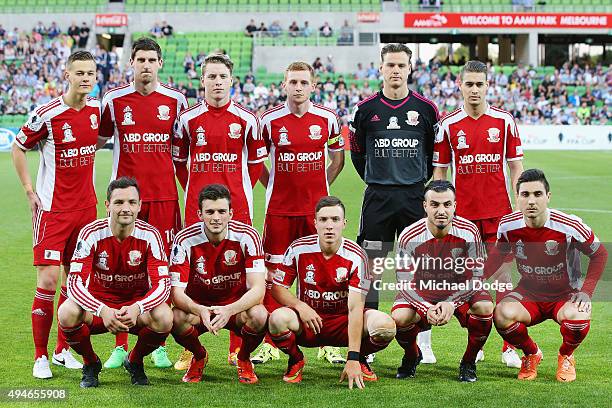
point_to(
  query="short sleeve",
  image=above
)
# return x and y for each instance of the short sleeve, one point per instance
(514, 148)
(356, 134)
(253, 253)
(179, 266)
(256, 146)
(442, 148)
(286, 272)
(34, 131)
(360, 277)
(107, 123)
(335, 141)
(180, 140)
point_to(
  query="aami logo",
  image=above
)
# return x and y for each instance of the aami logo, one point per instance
(7, 137)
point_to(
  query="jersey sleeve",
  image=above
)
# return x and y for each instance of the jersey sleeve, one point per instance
(442, 148)
(360, 277)
(180, 140)
(286, 271)
(264, 129)
(256, 146)
(430, 137)
(356, 133)
(179, 265)
(253, 253)
(80, 269)
(157, 268)
(34, 131)
(335, 141)
(107, 123)
(514, 148)
(477, 253)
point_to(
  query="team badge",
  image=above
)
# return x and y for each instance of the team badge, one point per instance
(519, 250)
(412, 118)
(163, 112)
(94, 121)
(135, 258)
(68, 136)
(235, 130)
(310, 275)
(315, 132)
(230, 257)
(102, 261)
(127, 117)
(283, 137)
(341, 274)
(393, 123)
(200, 137)
(551, 247)
(493, 135)
(200, 266)
(462, 143)
(456, 253)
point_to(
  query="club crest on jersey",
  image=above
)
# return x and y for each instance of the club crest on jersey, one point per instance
(230, 258)
(200, 266)
(493, 135)
(315, 132)
(94, 121)
(283, 137)
(102, 261)
(127, 117)
(341, 274)
(456, 253)
(200, 137)
(310, 275)
(235, 130)
(135, 258)
(520, 250)
(413, 118)
(393, 123)
(462, 142)
(163, 112)
(551, 247)
(68, 136)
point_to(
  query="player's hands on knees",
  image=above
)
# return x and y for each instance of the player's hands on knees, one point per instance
(582, 302)
(205, 317)
(111, 322)
(34, 202)
(222, 316)
(128, 315)
(446, 312)
(352, 371)
(310, 318)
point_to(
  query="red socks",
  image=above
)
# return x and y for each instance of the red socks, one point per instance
(573, 332)
(406, 338)
(517, 336)
(286, 342)
(121, 340)
(369, 346)
(148, 341)
(235, 342)
(250, 340)
(191, 342)
(79, 339)
(42, 319)
(478, 327)
(61, 339)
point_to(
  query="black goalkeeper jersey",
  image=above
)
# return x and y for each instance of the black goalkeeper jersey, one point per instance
(392, 140)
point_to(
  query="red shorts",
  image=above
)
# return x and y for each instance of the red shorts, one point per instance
(488, 228)
(280, 231)
(165, 216)
(232, 325)
(538, 311)
(97, 324)
(461, 311)
(55, 234)
(333, 333)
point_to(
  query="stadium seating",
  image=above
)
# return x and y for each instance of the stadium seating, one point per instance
(252, 5)
(52, 6)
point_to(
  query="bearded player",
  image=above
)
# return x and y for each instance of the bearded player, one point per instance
(546, 245)
(141, 117)
(332, 282)
(300, 135)
(66, 132)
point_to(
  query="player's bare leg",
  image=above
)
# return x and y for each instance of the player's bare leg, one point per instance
(479, 323)
(186, 335)
(511, 319)
(283, 324)
(575, 324)
(252, 323)
(268, 350)
(509, 355)
(62, 355)
(378, 332)
(409, 324)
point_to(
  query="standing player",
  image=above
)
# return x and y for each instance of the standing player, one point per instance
(442, 249)
(299, 135)
(141, 117)
(392, 136)
(218, 281)
(545, 244)
(332, 282)
(118, 282)
(478, 141)
(66, 131)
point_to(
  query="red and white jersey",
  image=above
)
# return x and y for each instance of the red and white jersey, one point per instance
(142, 128)
(324, 284)
(430, 266)
(216, 274)
(218, 145)
(478, 150)
(104, 270)
(547, 258)
(67, 141)
(298, 148)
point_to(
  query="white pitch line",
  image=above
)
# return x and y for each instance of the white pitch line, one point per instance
(593, 210)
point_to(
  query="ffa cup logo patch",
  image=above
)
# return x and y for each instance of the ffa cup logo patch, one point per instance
(393, 123)
(315, 132)
(341, 274)
(127, 117)
(68, 136)
(200, 137)
(279, 275)
(163, 112)
(230, 257)
(178, 256)
(413, 118)
(493, 135)
(551, 247)
(35, 123)
(200, 266)
(235, 130)
(135, 258)
(102, 261)
(94, 121)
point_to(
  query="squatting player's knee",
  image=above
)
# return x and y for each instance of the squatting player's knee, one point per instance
(504, 314)
(179, 319)
(570, 312)
(384, 329)
(404, 317)
(279, 320)
(257, 317)
(69, 314)
(483, 307)
(162, 318)
(48, 276)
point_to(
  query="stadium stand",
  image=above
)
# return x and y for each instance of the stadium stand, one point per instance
(252, 5)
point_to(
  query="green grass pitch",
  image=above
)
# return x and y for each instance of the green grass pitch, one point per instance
(580, 181)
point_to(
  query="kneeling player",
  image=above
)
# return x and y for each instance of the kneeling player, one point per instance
(436, 251)
(118, 282)
(544, 243)
(218, 281)
(333, 280)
